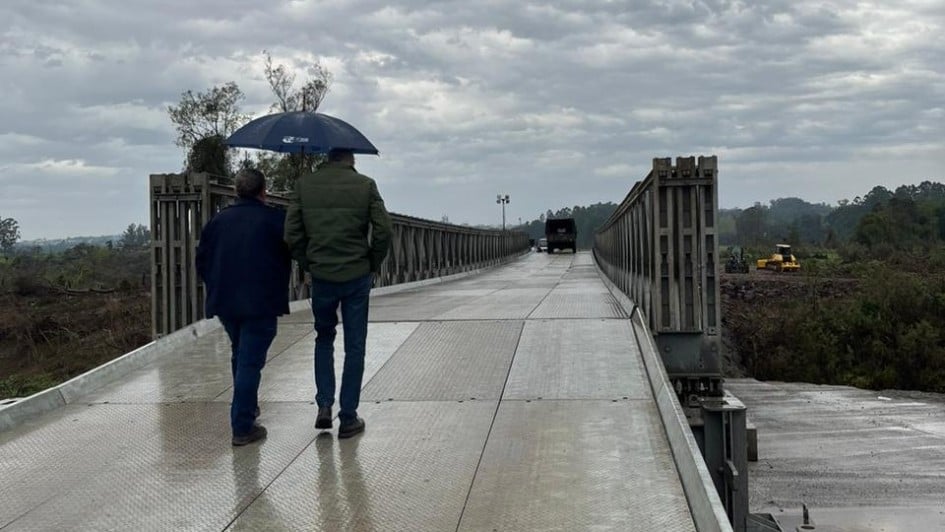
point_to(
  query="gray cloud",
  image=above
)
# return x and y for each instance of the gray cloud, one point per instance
(556, 103)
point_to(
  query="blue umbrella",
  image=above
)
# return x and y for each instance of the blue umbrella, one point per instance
(300, 132)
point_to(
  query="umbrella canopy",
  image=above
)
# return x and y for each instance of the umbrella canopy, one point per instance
(300, 132)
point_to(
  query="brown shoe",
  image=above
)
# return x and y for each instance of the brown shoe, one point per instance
(257, 433)
(350, 428)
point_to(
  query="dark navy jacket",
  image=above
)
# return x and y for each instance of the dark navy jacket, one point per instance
(244, 262)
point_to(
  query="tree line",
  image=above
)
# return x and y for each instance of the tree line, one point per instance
(884, 224)
(89, 263)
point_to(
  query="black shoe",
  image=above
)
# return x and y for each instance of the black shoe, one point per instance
(350, 428)
(323, 421)
(257, 433)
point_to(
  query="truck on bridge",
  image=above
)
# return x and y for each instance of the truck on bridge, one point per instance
(561, 233)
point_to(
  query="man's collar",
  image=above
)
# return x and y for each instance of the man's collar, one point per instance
(335, 164)
(248, 201)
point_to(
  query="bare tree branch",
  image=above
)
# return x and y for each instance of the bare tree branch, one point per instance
(282, 83)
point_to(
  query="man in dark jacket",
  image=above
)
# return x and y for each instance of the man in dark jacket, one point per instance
(337, 227)
(245, 265)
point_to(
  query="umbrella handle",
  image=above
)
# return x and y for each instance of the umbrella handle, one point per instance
(301, 162)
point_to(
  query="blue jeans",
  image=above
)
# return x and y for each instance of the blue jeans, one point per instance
(250, 339)
(353, 296)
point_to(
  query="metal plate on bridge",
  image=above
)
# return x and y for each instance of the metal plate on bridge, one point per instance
(199, 371)
(547, 282)
(576, 465)
(414, 306)
(291, 332)
(508, 304)
(410, 470)
(298, 318)
(577, 359)
(450, 291)
(573, 303)
(583, 259)
(290, 376)
(448, 360)
(172, 468)
(581, 286)
(41, 458)
(196, 371)
(581, 271)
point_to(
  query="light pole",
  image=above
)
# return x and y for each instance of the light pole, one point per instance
(504, 200)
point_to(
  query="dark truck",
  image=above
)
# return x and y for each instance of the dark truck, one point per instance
(561, 234)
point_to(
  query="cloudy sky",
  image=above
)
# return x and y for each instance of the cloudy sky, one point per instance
(557, 103)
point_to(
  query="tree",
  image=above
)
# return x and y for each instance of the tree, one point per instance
(9, 234)
(563, 212)
(898, 226)
(751, 225)
(786, 211)
(284, 169)
(288, 99)
(135, 236)
(810, 229)
(209, 155)
(198, 116)
(205, 114)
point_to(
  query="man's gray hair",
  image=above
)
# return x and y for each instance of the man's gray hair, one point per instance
(250, 183)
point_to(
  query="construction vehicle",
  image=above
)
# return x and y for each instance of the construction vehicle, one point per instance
(780, 261)
(737, 263)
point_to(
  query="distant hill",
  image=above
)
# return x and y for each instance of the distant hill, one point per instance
(921, 208)
(56, 245)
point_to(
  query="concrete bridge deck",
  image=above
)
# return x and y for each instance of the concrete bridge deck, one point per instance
(511, 400)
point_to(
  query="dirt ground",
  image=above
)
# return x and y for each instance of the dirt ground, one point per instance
(749, 297)
(49, 337)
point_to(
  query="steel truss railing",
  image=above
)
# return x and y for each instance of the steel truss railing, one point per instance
(660, 248)
(181, 204)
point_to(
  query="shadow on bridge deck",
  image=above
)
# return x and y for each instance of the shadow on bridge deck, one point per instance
(511, 400)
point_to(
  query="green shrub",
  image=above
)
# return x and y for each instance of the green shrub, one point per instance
(889, 333)
(24, 386)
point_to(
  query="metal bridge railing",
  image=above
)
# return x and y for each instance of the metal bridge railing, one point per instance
(181, 204)
(423, 249)
(660, 249)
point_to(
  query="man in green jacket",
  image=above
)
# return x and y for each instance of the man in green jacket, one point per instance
(338, 229)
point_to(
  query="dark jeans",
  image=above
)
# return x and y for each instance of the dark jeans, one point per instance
(250, 339)
(353, 296)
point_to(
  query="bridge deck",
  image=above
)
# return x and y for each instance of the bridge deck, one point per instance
(511, 400)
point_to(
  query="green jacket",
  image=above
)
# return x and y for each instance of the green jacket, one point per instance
(328, 221)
